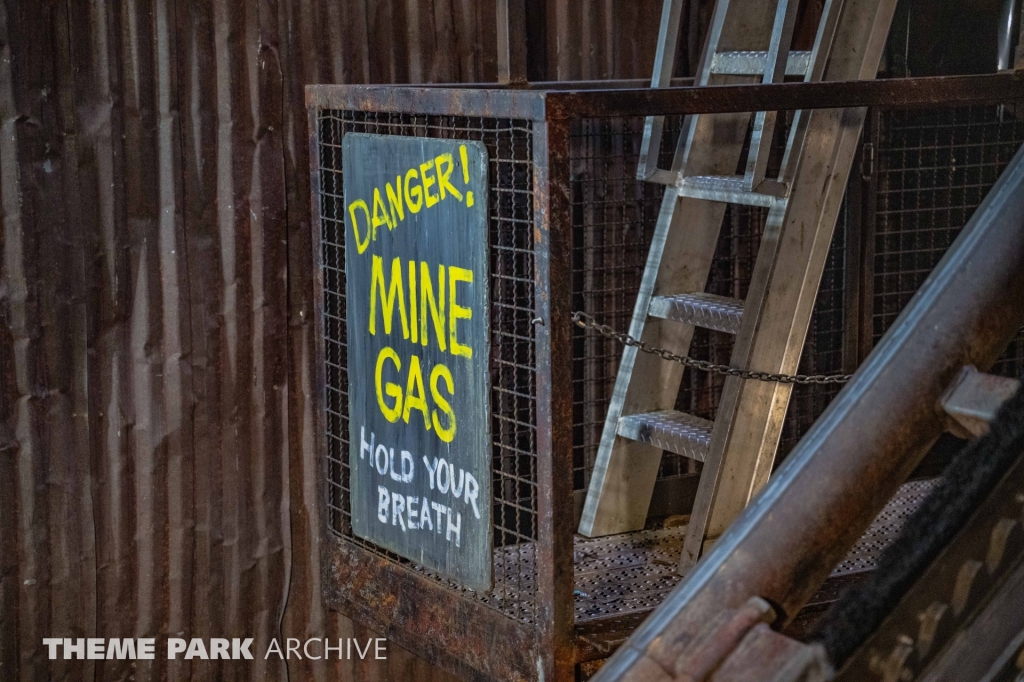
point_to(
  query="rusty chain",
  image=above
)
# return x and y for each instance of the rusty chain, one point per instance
(585, 321)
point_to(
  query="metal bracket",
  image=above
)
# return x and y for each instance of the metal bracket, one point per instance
(867, 161)
(973, 399)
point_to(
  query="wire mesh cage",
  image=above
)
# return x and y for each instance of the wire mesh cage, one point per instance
(513, 371)
(569, 228)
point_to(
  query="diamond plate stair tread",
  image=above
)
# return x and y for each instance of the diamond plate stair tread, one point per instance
(676, 432)
(751, 63)
(724, 189)
(707, 311)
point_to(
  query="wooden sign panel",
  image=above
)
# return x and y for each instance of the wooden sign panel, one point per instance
(416, 267)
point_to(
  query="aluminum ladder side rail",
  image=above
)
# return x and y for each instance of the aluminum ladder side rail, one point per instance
(679, 259)
(868, 441)
(783, 288)
(786, 275)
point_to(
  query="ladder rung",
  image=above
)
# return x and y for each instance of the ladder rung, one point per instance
(751, 63)
(676, 432)
(731, 190)
(707, 311)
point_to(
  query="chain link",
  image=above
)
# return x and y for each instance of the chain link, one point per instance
(585, 321)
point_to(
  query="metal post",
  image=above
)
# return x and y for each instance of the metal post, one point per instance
(511, 42)
(664, 61)
(555, 511)
(1018, 62)
(865, 445)
(1007, 26)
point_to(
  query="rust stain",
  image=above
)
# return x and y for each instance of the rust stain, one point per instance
(156, 474)
(156, 438)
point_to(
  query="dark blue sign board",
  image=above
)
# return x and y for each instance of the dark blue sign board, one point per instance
(417, 315)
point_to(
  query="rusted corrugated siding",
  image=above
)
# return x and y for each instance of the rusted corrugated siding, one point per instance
(601, 39)
(157, 470)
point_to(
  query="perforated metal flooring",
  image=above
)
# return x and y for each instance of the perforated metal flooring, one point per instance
(621, 578)
(884, 529)
(622, 575)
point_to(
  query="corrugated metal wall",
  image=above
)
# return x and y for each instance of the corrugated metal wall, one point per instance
(156, 462)
(600, 39)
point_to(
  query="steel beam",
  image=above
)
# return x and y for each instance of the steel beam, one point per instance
(894, 93)
(583, 99)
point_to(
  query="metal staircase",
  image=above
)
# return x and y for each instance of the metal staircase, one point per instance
(748, 42)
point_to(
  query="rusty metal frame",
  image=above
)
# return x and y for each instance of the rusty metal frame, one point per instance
(585, 99)
(439, 624)
(443, 625)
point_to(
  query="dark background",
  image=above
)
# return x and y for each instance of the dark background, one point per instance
(157, 467)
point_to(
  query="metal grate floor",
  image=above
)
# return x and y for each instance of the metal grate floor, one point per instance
(623, 574)
(628, 574)
(621, 578)
(884, 529)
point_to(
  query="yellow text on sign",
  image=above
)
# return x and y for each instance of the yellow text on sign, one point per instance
(427, 316)
(397, 404)
(418, 188)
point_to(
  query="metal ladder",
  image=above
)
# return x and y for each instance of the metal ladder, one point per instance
(748, 42)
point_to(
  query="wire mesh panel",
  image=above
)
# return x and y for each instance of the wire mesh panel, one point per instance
(931, 170)
(512, 363)
(614, 217)
(934, 168)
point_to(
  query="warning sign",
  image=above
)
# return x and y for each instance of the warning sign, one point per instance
(416, 268)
